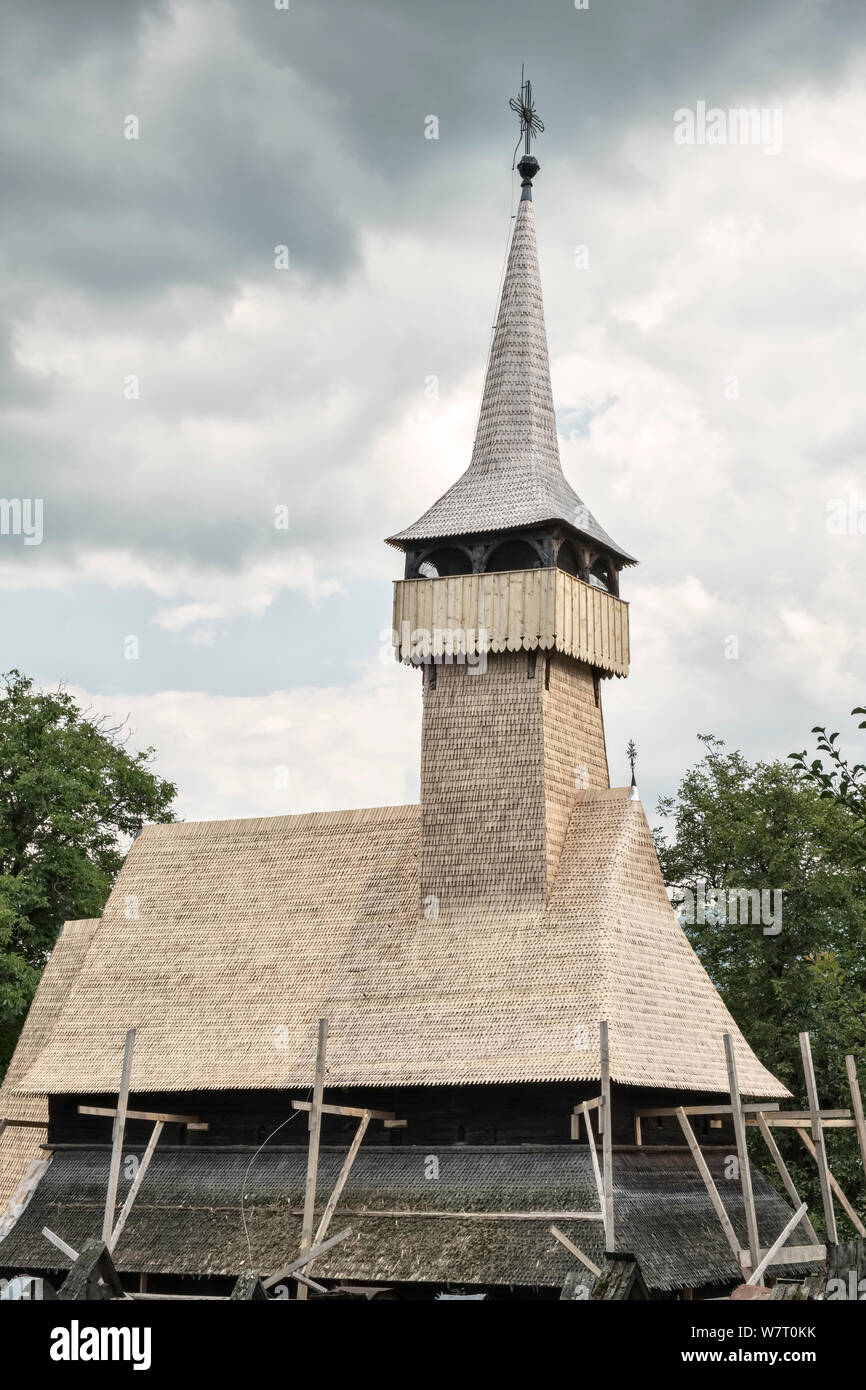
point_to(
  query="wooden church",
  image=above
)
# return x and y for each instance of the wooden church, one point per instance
(464, 953)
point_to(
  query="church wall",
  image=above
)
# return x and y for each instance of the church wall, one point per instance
(504, 749)
(575, 757)
(437, 1116)
(482, 791)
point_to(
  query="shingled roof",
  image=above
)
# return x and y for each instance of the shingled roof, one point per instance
(20, 1145)
(515, 477)
(248, 931)
(187, 1220)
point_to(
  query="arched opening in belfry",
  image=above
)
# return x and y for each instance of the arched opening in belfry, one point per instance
(600, 575)
(567, 560)
(445, 561)
(513, 555)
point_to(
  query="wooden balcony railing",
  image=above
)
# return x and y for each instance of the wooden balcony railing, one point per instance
(544, 609)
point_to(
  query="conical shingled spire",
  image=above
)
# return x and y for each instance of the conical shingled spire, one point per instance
(515, 441)
(515, 478)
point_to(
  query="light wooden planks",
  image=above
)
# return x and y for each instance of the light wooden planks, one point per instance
(136, 1184)
(322, 1228)
(857, 1106)
(705, 1109)
(834, 1186)
(820, 1154)
(574, 1250)
(315, 1126)
(155, 1116)
(800, 1254)
(117, 1137)
(742, 1153)
(799, 1119)
(304, 1259)
(787, 1180)
(767, 1259)
(445, 1215)
(532, 610)
(599, 1185)
(712, 1190)
(354, 1112)
(606, 1115)
(511, 611)
(61, 1244)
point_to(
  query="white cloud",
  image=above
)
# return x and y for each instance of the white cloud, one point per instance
(201, 599)
(306, 749)
(308, 390)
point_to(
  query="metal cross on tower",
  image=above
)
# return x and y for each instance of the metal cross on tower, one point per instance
(531, 125)
(631, 754)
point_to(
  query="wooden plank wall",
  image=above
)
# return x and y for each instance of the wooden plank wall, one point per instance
(518, 609)
(538, 1113)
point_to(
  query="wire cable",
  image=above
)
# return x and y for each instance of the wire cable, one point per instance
(294, 1115)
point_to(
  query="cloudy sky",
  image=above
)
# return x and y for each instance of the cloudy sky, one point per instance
(165, 386)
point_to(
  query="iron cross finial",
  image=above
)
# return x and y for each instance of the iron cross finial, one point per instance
(530, 124)
(631, 754)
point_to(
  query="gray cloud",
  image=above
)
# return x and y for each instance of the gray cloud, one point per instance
(154, 258)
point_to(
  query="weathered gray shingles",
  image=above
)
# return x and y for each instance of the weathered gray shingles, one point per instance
(187, 1217)
(515, 477)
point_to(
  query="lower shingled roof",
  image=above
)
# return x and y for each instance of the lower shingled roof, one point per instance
(20, 1145)
(187, 1217)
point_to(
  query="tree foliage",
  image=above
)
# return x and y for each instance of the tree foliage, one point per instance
(761, 825)
(841, 782)
(71, 797)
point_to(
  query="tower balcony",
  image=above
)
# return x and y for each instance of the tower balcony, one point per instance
(546, 609)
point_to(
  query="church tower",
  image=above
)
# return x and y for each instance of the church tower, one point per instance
(510, 604)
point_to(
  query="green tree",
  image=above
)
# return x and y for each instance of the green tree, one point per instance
(742, 825)
(71, 797)
(836, 779)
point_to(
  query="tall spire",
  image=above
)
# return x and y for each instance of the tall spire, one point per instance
(515, 478)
